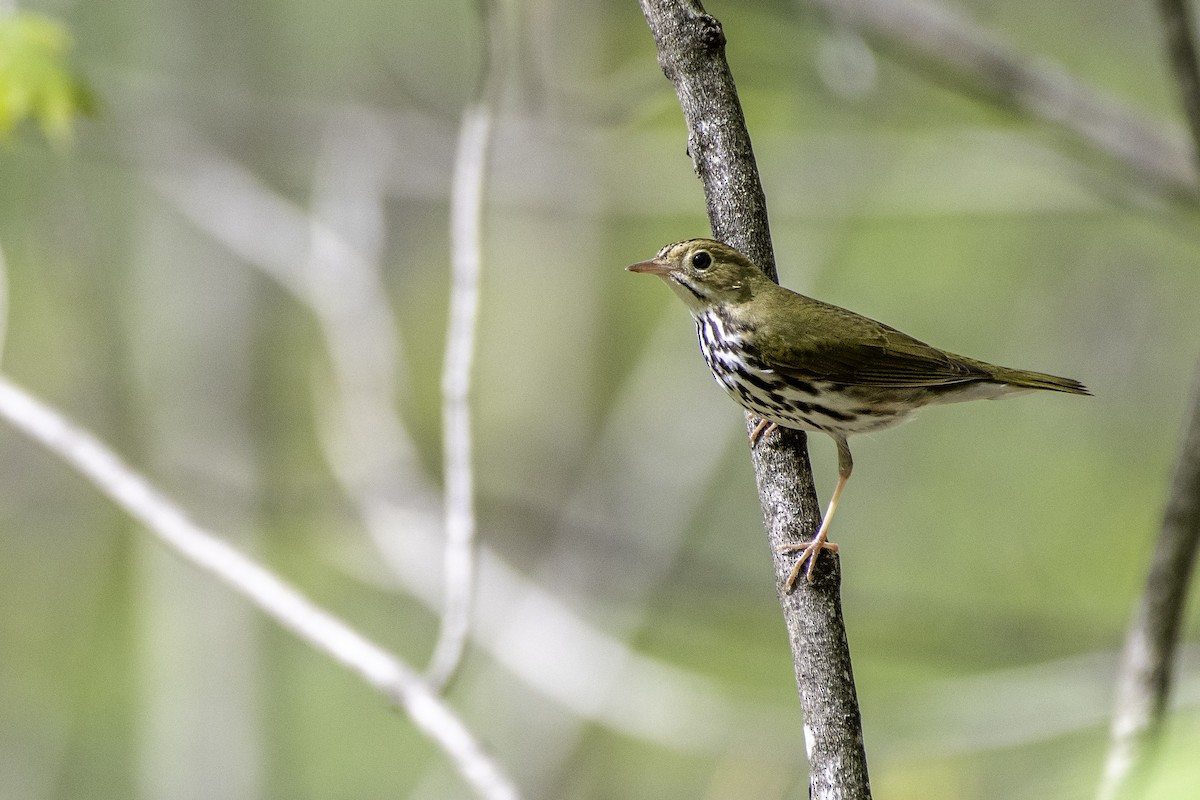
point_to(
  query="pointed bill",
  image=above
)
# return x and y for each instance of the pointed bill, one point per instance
(651, 267)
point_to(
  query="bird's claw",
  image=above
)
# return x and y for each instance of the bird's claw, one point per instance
(763, 427)
(808, 555)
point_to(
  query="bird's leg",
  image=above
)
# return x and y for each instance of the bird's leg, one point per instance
(763, 427)
(809, 550)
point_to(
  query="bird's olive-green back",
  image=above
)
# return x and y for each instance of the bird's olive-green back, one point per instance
(819, 341)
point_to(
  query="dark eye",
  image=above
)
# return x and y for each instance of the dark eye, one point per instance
(702, 260)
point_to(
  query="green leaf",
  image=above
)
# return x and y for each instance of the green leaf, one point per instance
(36, 81)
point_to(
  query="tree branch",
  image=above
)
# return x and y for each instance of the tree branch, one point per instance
(951, 44)
(282, 602)
(1179, 28)
(466, 224)
(1145, 675)
(691, 52)
(1147, 662)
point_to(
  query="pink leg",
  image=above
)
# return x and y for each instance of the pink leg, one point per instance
(763, 427)
(808, 550)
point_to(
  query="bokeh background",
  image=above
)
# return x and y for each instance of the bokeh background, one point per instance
(630, 639)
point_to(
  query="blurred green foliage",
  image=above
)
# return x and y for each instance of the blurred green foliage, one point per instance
(36, 82)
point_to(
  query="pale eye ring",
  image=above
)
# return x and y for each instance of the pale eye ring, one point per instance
(701, 260)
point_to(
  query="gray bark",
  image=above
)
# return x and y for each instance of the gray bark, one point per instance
(691, 52)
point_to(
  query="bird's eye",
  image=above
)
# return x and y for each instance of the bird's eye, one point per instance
(702, 260)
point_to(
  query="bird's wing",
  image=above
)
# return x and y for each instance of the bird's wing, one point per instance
(828, 343)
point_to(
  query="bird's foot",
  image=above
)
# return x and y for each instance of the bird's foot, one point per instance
(808, 555)
(763, 427)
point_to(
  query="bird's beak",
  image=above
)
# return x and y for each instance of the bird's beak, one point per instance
(651, 267)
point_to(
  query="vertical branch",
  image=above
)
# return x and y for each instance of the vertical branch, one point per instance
(1180, 29)
(1144, 679)
(691, 52)
(1145, 674)
(466, 213)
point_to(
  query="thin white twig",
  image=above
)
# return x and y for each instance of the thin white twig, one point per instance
(466, 211)
(312, 624)
(466, 235)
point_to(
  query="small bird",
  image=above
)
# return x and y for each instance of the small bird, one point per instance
(801, 363)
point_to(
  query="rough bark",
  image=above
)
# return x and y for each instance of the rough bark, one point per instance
(691, 52)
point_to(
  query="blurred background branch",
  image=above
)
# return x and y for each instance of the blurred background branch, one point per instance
(318, 628)
(1149, 660)
(466, 244)
(1149, 663)
(1179, 30)
(950, 45)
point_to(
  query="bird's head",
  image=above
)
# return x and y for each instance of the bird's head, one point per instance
(705, 273)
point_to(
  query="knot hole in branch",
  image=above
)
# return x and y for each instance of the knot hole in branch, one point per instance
(710, 34)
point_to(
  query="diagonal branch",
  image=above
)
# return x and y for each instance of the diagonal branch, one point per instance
(691, 52)
(1180, 30)
(950, 44)
(321, 630)
(1145, 675)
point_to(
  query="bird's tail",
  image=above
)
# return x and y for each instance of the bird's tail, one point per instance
(1039, 380)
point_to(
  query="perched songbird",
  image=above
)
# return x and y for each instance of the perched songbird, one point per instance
(800, 363)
